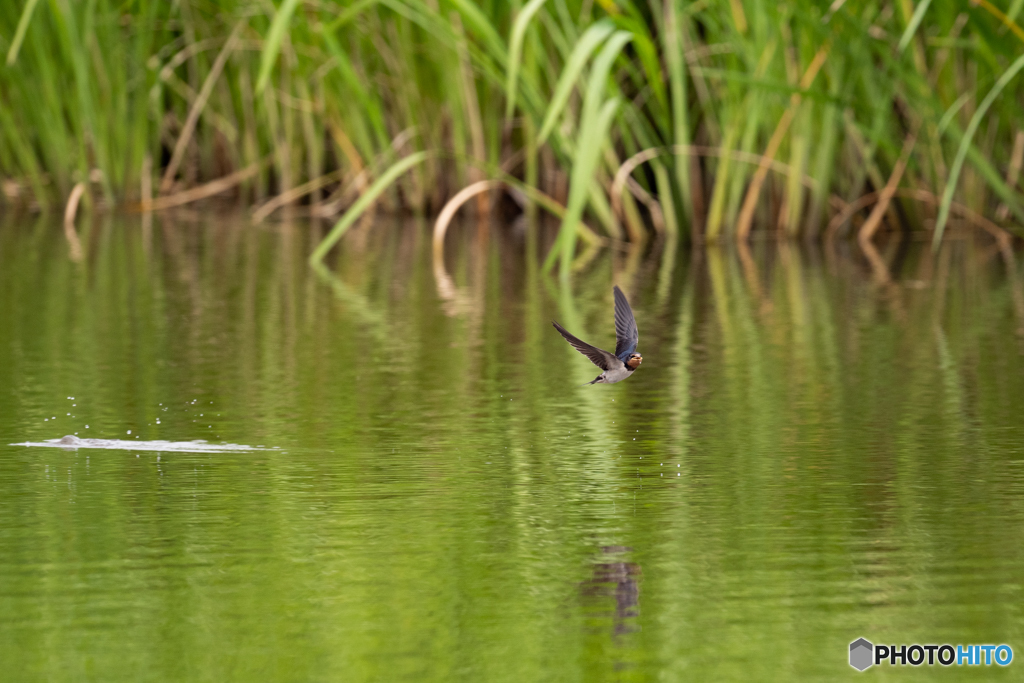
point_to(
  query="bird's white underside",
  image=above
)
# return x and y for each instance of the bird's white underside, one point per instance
(614, 375)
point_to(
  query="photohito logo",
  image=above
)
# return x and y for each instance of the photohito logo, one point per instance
(863, 653)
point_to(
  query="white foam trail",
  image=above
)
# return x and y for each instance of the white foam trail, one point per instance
(198, 446)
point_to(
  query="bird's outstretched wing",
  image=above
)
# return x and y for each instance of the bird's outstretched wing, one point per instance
(598, 357)
(626, 335)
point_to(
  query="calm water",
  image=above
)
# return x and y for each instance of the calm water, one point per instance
(808, 455)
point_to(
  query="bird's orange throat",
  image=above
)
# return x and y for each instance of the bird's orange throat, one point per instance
(633, 363)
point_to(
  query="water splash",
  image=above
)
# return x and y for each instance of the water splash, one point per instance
(197, 446)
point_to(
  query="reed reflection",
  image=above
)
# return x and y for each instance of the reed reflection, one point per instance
(805, 449)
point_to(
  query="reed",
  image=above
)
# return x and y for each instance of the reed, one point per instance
(557, 93)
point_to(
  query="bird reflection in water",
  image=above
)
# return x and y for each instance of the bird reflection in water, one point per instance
(619, 580)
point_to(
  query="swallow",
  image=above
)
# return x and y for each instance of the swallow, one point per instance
(625, 360)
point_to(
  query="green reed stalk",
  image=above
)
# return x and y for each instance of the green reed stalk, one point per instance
(92, 89)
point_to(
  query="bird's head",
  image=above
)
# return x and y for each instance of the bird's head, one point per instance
(635, 359)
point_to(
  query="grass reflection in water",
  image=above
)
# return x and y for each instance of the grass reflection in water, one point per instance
(811, 453)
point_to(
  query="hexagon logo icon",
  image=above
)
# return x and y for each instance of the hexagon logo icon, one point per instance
(861, 652)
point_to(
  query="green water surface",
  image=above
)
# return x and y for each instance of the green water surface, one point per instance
(810, 453)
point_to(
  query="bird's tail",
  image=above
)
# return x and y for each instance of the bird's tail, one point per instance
(594, 381)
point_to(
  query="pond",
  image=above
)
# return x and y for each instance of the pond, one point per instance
(812, 452)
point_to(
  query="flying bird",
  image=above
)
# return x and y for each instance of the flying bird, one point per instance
(625, 360)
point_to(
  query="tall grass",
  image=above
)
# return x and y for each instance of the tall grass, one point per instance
(764, 116)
